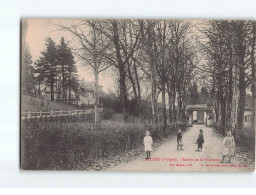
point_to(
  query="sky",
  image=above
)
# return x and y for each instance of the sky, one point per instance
(39, 29)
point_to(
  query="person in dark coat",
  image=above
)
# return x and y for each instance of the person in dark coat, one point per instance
(200, 140)
(179, 140)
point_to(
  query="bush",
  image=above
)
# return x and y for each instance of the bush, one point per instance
(107, 113)
(57, 145)
(247, 138)
(86, 106)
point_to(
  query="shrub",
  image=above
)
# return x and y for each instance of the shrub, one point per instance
(76, 145)
(107, 114)
(247, 138)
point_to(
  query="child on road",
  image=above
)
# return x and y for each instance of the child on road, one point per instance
(148, 141)
(200, 140)
(179, 140)
(229, 147)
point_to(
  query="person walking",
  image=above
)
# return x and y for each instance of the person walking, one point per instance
(179, 140)
(148, 141)
(228, 147)
(200, 141)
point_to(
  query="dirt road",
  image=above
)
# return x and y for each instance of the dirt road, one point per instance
(167, 158)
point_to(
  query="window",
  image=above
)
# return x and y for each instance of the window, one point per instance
(247, 118)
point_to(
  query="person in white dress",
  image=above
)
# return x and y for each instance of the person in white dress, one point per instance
(228, 147)
(148, 141)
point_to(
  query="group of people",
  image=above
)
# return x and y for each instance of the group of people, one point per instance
(199, 141)
(228, 144)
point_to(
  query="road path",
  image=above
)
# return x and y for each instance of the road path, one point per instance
(167, 158)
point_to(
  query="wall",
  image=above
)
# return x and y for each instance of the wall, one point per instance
(247, 123)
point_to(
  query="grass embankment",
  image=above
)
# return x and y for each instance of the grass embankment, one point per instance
(35, 105)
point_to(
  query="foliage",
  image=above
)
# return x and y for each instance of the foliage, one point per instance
(70, 145)
(204, 96)
(56, 62)
(228, 49)
(67, 69)
(46, 65)
(194, 94)
(107, 113)
(247, 138)
(28, 79)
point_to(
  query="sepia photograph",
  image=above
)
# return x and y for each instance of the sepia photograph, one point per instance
(138, 95)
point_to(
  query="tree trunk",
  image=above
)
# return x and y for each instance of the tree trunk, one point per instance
(52, 89)
(153, 100)
(63, 84)
(241, 100)
(96, 88)
(240, 53)
(170, 106)
(217, 112)
(122, 75)
(253, 65)
(138, 87)
(152, 59)
(230, 96)
(153, 91)
(134, 89)
(39, 90)
(223, 116)
(179, 105)
(173, 105)
(164, 106)
(69, 91)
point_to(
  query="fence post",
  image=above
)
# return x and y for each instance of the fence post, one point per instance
(51, 112)
(75, 111)
(29, 114)
(60, 112)
(40, 113)
(69, 112)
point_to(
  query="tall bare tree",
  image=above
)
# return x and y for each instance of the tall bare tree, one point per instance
(92, 49)
(253, 67)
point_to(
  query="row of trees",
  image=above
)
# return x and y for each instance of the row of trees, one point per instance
(56, 63)
(157, 54)
(155, 59)
(229, 52)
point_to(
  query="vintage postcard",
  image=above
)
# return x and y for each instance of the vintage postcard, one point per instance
(138, 95)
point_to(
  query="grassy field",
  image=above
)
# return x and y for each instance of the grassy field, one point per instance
(35, 105)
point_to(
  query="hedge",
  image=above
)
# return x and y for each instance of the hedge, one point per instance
(247, 138)
(74, 145)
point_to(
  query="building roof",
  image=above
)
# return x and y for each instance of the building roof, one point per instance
(197, 107)
(88, 86)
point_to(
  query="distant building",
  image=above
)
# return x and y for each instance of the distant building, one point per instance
(248, 111)
(85, 95)
(200, 114)
(87, 92)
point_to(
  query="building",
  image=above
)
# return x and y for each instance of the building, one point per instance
(84, 95)
(248, 111)
(200, 114)
(87, 92)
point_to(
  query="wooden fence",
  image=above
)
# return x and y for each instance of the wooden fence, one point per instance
(41, 114)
